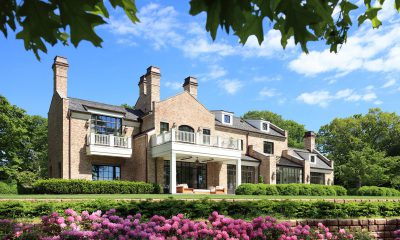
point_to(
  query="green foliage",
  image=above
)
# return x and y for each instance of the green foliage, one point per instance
(55, 21)
(290, 189)
(203, 208)
(377, 191)
(365, 148)
(305, 21)
(8, 188)
(23, 142)
(295, 130)
(79, 186)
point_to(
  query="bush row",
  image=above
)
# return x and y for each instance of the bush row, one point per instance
(64, 186)
(203, 208)
(290, 189)
(377, 191)
(6, 188)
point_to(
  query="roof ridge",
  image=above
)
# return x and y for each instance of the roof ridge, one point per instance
(80, 99)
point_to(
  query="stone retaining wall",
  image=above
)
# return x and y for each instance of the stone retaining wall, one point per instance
(380, 228)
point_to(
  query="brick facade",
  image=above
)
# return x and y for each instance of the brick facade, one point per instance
(69, 130)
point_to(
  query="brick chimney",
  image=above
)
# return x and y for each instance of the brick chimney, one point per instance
(153, 77)
(309, 140)
(60, 71)
(142, 86)
(190, 85)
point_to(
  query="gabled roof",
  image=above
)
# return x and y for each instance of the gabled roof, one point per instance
(241, 124)
(305, 155)
(81, 105)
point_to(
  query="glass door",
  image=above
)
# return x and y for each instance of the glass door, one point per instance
(231, 178)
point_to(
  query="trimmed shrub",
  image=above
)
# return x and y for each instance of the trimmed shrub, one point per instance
(377, 191)
(200, 209)
(290, 190)
(64, 186)
(6, 188)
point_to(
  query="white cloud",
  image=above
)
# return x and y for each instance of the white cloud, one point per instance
(267, 78)
(378, 102)
(231, 86)
(323, 97)
(389, 83)
(162, 28)
(215, 71)
(268, 92)
(374, 50)
(173, 85)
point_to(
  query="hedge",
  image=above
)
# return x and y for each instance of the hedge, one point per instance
(201, 209)
(6, 188)
(290, 189)
(377, 191)
(64, 186)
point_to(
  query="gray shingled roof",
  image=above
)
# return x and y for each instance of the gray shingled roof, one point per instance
(248, 158)
(304, 154)
(239, 123)
(80, 105)
(286, 162)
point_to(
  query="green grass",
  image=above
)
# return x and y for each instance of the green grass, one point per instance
(178, 196)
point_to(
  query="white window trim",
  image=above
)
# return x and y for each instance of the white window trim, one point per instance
(315, 158)
(230, 118)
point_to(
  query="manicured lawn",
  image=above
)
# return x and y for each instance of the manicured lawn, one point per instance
(178, 196)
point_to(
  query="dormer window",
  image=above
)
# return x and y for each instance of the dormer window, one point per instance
(313, 159)
(227, 119)
(265, 126)
(106, 125)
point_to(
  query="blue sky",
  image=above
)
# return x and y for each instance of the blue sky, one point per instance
(310, 89)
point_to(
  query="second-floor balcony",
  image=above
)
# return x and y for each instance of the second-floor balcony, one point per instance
(195, 144)
(109, 145)
(197, 138)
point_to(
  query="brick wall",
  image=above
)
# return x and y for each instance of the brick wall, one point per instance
(380, 228)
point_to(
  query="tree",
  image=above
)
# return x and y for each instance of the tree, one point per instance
(23, 142)
(57, 21)
(295, 130)
(349, 140)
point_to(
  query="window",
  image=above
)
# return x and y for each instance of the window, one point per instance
(312, 159)
(101, 124)
(289, 175)
(106, 172)
(265, 126)
(317, 178)
(190, 173)
(206, 131)
(248, 174)
(227, 118)
(186, 128)
(268, 147)
(164, 127)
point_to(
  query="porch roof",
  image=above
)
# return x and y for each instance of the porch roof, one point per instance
(286, 162)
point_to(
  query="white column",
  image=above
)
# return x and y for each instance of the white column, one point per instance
(172, 173)
(238, 172)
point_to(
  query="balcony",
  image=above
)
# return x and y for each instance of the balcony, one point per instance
(195, 144)
(109, 145)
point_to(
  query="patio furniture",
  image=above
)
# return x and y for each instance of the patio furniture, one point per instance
(201, 191)
(183, 188)
(217, 190)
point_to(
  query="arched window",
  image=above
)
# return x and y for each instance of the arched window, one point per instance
(186, 128)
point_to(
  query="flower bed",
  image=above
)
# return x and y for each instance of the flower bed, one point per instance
(96, 225)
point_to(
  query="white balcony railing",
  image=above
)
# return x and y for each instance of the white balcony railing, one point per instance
(196, 138)
(109, 140)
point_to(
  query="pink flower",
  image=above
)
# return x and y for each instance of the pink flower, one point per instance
(342, 231)
(60, 220)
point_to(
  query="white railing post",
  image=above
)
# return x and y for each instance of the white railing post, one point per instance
(111, 139)
(173, 133)
(129, 142)
(163, 138)
(239, 145)
(198, 138)
(219, 143)
(92, 138)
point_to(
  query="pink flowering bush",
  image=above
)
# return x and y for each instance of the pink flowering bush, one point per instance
(397, 234)
(96, 225)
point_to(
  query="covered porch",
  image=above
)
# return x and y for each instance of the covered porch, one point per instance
(198, 168)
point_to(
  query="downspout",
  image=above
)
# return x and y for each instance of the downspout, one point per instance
(69, 145)
(147, 161)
